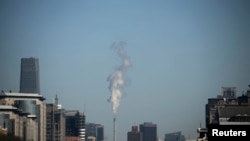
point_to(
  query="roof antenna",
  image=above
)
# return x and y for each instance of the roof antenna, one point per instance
(56, 100)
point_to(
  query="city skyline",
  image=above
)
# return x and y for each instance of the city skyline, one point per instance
(183, 52)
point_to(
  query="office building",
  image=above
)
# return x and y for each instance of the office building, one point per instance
(30, 84)
(29, 78)
(134, 134)
(228, 109)
(18, 124)
(95, 130)
(26, 121)
(149, 131)
(75, 124)
(55, 128)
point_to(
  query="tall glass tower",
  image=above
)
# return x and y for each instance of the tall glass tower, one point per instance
(29, 80)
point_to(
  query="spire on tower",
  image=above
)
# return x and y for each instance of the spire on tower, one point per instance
(56, 100)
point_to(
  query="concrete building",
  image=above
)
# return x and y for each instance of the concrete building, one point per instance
(134, 134)
(55, 128)
(95, 130)
(149, 131)
(175, 136)
(17, 123)
(75, 124)
(228, 108)
(25, 109)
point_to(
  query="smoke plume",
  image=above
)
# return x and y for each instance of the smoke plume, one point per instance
(116, 79)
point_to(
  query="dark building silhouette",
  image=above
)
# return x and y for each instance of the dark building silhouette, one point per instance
(75, 124)
(149, 131)
(134, 134)
(228, 108)
(29, 78)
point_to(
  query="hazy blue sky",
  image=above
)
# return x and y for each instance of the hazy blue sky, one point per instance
(182, 53)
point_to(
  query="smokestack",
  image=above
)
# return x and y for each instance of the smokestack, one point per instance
(117, 78)
(114, 128)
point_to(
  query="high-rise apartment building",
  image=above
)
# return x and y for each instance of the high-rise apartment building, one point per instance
(134, 134)
(149, 131)
(29, 78)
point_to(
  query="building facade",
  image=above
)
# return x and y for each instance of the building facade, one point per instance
(95, 130)
(149, 131)
(29, 77)
(55, 125)
(75, 124)
(228, 108)
(27, 122)
(134, 134)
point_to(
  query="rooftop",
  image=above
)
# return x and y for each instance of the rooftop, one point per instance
(233, 111)
(20, 95)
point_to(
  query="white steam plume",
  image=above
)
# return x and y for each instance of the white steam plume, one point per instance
(116, 79)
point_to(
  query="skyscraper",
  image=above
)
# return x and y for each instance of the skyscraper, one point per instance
(149, 131)
(29, 78)
(30, 84)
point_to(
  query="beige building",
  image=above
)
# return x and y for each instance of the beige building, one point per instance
(91, 138)
(18, 124)
(3, 131)
(55, 128)
(24, 115)
(72, 138)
